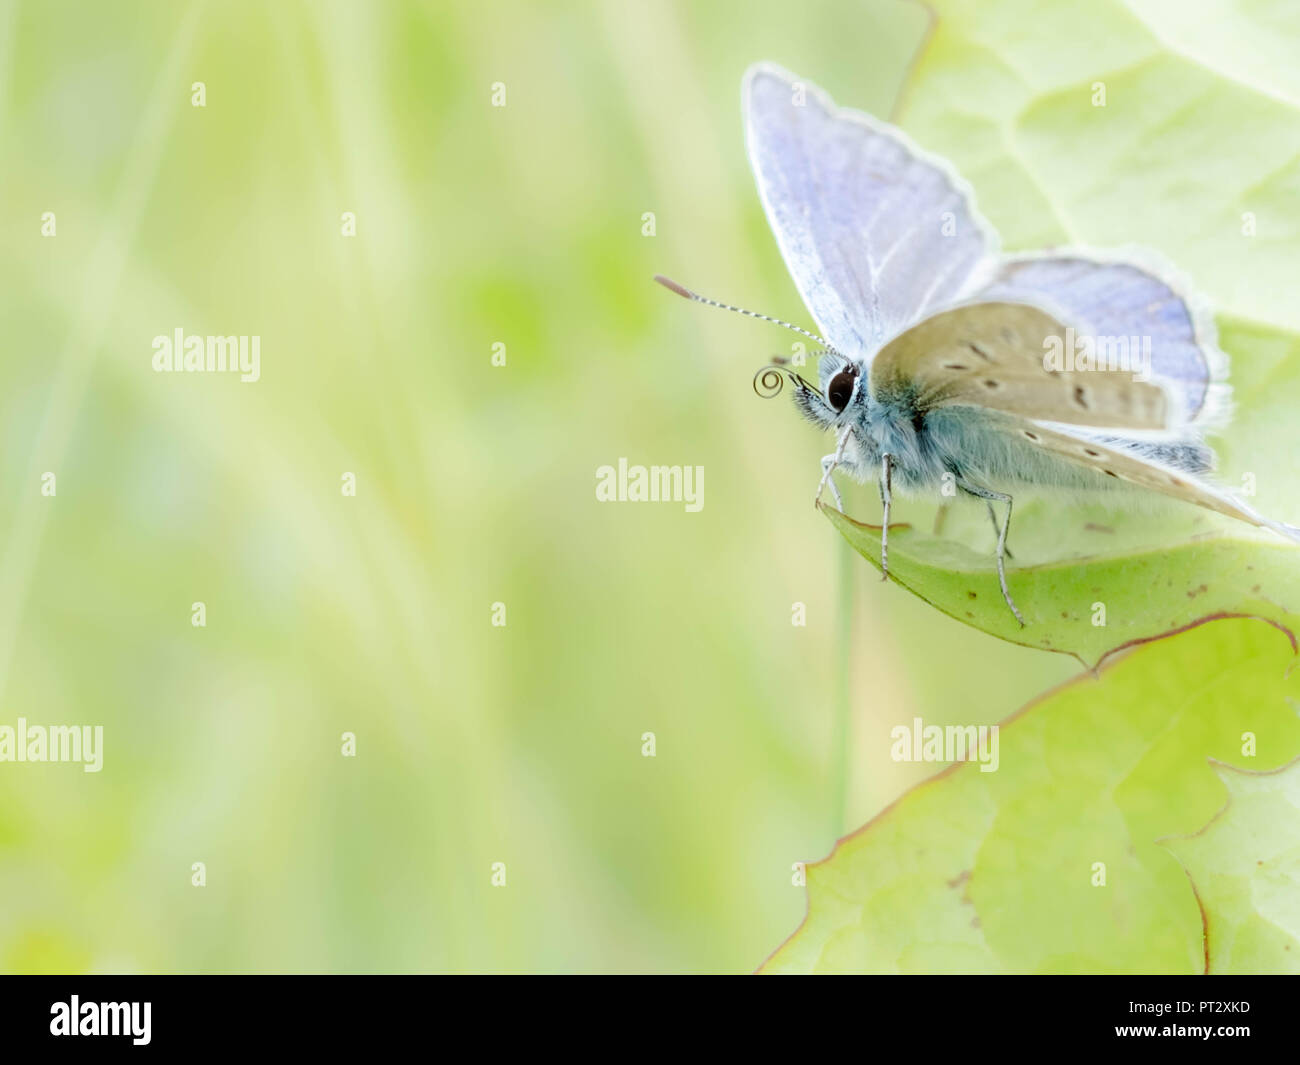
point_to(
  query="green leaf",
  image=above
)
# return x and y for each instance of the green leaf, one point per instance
(1182, 144)
(978, 871)
(1090, 607)
(1245, 868)
(1105, 125)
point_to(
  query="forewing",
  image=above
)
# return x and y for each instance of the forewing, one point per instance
(1130, 299)
(994, 355)
(875, 232)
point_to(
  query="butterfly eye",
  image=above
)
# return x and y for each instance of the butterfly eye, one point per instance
(840, 389)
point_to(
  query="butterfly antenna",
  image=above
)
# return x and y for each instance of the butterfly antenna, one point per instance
(682, 290)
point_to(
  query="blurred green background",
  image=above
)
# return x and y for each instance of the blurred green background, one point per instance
(475, 225)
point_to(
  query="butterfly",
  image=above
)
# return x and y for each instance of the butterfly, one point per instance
(944, 361)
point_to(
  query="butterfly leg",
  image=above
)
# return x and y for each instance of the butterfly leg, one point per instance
(989, 496)
(940, 517)
(828, 467)
(886, 498)
(993, 517)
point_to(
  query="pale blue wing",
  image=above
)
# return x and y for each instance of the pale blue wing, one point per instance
(876, 233)
(1133, 296)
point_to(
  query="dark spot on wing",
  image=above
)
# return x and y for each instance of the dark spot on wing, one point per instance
(1081, 397)
(979, 350)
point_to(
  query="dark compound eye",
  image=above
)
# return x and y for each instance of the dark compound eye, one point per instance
(840, 388)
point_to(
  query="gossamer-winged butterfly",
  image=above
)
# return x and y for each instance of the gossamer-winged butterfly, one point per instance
(944, 358)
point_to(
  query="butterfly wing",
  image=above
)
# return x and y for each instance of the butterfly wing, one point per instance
(1132, 295)
(990, 356)
(875, 232)
(995, 356)
(1123, 464)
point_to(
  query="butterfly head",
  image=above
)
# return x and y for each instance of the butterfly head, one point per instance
(840, 397)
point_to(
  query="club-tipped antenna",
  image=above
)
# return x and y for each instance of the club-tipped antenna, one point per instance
(682, 290)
